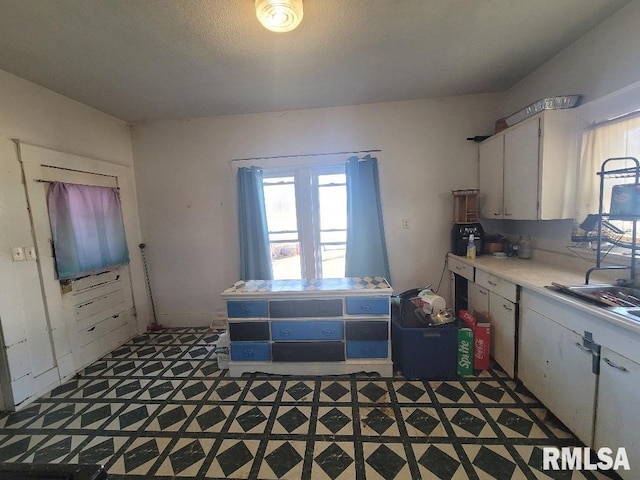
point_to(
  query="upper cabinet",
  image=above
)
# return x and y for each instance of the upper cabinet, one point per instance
(528, 171)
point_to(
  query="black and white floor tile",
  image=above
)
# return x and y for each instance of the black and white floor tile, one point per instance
(159, 407)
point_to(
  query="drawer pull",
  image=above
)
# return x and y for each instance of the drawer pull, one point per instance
(245, 309)
(611, 364)
(91, 329)
(583, 348)
(366, 307)
(327, 332)
(508, 308)
(116, 316)
(248, 354)
(483, 292)
(458, 268)
(285, 331)
(493, 284)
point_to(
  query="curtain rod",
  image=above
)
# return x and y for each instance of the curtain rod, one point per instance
(39, 180)
(305, 155)
(619, 118)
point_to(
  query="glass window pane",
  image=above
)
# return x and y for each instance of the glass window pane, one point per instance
(280, 204)
(290, 237)
(285, 260)
(275, 180)
(333, 207)
(328, 179)
(333, 236)
(333, 261)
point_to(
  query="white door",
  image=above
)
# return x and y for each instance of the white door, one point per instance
(27, 350)
(617, 420)
(553, 364)
(89, 320)
(478, 298)
(490, 179)
(521, 171)
(503, 332)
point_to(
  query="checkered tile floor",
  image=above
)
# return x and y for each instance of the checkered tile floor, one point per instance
(159, 407)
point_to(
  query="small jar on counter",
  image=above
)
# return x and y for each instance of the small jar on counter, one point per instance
(524, 250)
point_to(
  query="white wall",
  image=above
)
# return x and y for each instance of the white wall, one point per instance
(187, 197)
(39, 116)
(603, 61)
(604, 66)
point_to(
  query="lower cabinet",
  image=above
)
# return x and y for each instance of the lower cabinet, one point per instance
(556, 367)
(617, 421)
(503, 316)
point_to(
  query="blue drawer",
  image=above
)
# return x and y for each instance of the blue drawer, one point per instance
(367, 305)
(367, 349)
(247, 309)
(307, 330)
(250, 351)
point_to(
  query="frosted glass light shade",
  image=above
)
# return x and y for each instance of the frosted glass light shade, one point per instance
(279, 15)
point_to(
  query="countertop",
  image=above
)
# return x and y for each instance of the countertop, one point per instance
(535, 276)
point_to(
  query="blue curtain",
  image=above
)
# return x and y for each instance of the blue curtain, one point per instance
(255, 251)
(366, 247)
(87, 229)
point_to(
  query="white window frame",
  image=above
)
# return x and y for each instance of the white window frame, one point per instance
(308, 211)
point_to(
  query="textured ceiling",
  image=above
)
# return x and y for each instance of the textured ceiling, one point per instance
(143, 60)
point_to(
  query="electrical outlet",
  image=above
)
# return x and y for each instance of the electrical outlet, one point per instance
(18, 254)
(30, 253)
(405, 223)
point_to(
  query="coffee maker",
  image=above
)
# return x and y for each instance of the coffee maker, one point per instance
(465, 222)
(460, 237)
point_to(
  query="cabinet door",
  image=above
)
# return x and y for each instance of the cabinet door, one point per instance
(521, 171)
(478, 299)
(490, 179)
(554, 366)
(503, 332)
(617, 420)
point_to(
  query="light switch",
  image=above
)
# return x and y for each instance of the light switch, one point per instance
(30, 253)
(18, 254)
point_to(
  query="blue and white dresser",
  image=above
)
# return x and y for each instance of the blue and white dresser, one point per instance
(328, 326)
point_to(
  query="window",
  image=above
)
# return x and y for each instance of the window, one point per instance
(307, 221)
(87, 229)
(618, 138)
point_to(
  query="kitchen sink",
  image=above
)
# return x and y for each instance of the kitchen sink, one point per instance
(606, 295)
(618, 299)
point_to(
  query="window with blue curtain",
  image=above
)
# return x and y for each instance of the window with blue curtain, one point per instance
(87, 229)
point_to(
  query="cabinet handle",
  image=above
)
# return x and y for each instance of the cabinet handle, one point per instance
(509, 308)
(365, 307)
(458, 268)
(497, 214)
(508, 214)
(483, 292)
(91, 329)
(583, 348)
(285, 331)
(327, 332)
(611, 364)
(493, 284)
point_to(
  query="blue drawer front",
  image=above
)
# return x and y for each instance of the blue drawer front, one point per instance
(367, 305)
(307, 330)
(250, 351)
(246, 309)
(367, 349)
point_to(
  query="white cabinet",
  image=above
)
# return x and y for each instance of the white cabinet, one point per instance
(617, 420)
(527, 172)
(502, 313)
(491, 177)
(557, 368)
(503, 332)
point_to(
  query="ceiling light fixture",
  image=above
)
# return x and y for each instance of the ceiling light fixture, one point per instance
(279, 15)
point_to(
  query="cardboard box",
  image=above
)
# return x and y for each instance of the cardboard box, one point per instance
(481, 337)
(465, 351)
